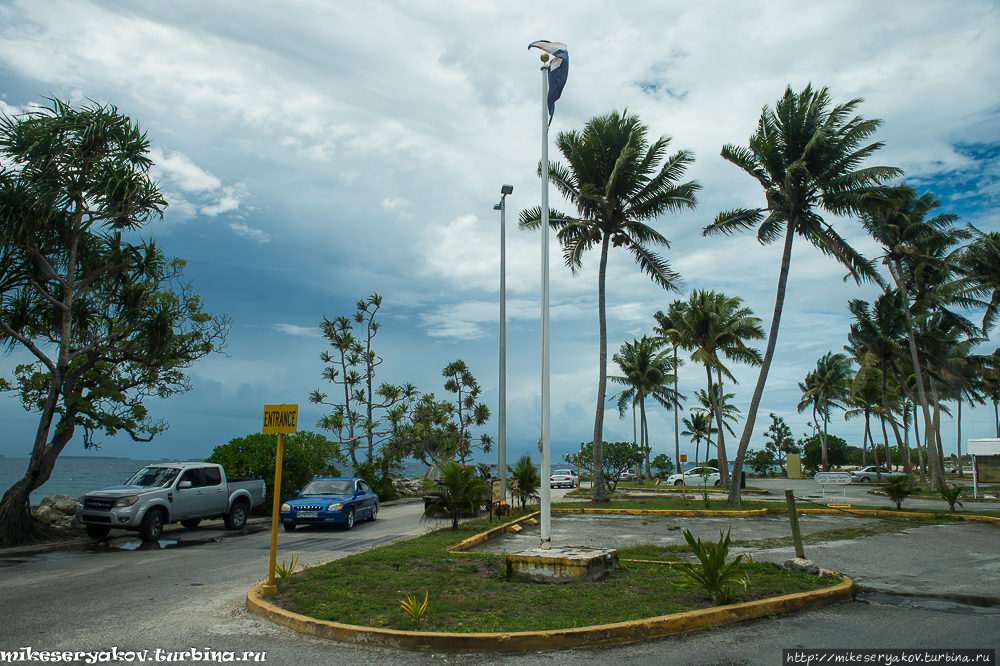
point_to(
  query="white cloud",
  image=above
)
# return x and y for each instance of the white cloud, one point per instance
(300, 331)
(181, 172)
(241, 229)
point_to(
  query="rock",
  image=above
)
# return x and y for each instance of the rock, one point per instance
(46, 514)
(531, 521)
(409, 487)
(514, 529)
(805, 566)
(63, 504)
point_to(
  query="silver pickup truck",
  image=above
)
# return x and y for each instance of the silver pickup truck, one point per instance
(169, 493)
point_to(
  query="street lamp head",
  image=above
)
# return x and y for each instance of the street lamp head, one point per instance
(496, 207)
(507, 189)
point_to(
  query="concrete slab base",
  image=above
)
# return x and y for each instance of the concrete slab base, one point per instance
(563, 564)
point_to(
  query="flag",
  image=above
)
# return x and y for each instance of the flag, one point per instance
(558, 69)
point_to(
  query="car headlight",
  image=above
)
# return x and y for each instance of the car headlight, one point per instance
(335, 507)
(127, 501)
(285, 508)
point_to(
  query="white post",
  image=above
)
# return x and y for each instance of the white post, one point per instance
(545, 472)
(502, 434)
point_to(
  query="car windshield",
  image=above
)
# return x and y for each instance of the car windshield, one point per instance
(328, 487)
(563, 472)
(153, 477)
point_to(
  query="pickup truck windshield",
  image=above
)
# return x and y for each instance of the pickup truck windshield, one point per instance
(328, 487)
(153, 477)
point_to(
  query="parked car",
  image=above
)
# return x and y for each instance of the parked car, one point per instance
(170, 493)
(867, 474)
(696, 477)
(564, 478)
(330, 501)
(627, 475)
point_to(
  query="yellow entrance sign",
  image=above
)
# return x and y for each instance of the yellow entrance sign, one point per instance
(280, 419)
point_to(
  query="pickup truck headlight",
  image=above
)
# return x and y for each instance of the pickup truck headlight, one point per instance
(285, 508)
(335, 507)
(127, 501)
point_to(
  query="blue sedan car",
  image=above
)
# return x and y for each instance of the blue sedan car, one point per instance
(325, 501)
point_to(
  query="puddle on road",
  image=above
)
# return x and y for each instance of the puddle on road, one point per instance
(944, 603)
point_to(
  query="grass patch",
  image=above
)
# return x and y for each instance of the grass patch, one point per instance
(469, 591)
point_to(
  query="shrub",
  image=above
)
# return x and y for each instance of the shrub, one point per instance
(713, 574)
(899, 489)
(951, 495)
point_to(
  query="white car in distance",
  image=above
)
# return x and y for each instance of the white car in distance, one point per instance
(696, 477)
(564, 478)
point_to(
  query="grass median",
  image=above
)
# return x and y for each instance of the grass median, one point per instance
(469, 592)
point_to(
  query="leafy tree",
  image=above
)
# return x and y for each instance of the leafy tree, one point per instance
(525, 476)
(837, 450)
(461, 382)
(646, 373)
(108, 322)
(618, 182)
(663, 464)
(460, 490)
(618, 457)
(899, 489)
(806, 156)
(778, 439)
(760, 461)
(304, 456)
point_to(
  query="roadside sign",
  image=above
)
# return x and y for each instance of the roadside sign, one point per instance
(497, 490)
(684, 458)
(833, 478)
(280, 419)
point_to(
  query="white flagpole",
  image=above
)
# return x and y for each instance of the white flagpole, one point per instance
(546, 498)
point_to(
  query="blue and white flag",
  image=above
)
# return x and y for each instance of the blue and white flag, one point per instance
(558, 69)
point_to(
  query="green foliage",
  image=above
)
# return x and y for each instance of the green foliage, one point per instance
(469, 412)
(760, 461)
(663, 464)
(951, 495)
(838, 452)
(285, 571)
(460, 490)
(778, 439)
(305, 456)
(413, 607)
(899, 489)
(524, 479)
(618, 457)
(712, 573)
(380, 482)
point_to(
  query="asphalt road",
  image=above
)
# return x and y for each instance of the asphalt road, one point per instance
(191, 593)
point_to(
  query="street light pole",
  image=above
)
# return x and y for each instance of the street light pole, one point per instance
(502, 429)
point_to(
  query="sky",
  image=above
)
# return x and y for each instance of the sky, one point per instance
(314, 153)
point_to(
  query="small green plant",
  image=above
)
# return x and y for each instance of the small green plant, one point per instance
(285, 571)
(899, 489)
(712, 572)
(951, 495)
(415, 611)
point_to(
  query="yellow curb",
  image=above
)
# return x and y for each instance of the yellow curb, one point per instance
(482, 537)
(609, 634)
(665, 512)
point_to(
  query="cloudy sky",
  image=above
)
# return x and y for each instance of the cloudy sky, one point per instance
(315, 152)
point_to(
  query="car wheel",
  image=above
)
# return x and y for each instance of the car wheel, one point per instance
(865, 479)
(718, 482)
(374, 512)
(152, 525)
(678, 482)
(98, 531)
(194, 522)
(350, 519)
(237, 518)
(289, 527)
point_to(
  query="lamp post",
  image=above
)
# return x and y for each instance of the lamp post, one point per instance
(502, 429)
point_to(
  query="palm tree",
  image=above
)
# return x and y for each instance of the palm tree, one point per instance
(525, 475)
(805, 155)
(728, 411)
(981, 260)
(646, 373)
(615, 179)
(698, 427)
(714, 324)
(459, 490)
(823, 388)
(667, 334)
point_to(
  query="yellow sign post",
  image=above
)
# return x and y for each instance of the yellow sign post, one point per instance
(278, 419)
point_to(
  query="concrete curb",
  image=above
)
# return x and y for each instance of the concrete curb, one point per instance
(483, 537)
(619, 633)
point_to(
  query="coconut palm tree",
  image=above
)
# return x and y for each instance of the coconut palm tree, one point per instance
(647, 373)
(667, 334)
(619, 182)
(730, 413)
(806, 154)
(715, 325)
(459, 491)
(823, 389)
(698, 427)
(981, 261)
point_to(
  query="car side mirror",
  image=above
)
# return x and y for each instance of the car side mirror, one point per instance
(296, 493)
(184, 484)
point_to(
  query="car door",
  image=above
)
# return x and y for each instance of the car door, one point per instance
(367, 498)
(214, 498)
(187, 501)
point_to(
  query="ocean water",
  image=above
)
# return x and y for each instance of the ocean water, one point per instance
(76, 475)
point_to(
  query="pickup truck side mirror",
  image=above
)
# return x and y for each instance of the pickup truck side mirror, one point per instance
(296, 493)
(183, 484)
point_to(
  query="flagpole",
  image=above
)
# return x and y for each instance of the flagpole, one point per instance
(546, 498)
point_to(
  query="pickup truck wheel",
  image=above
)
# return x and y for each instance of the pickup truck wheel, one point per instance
(289, 527)
(350, 519)
(237, 517)
(152, 525)
(194, 522)
(374, 512)
(98, 531)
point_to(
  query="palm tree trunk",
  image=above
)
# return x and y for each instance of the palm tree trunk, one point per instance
(826, 452)
(958, 436)
(885, 436)
(772, 339)
(936, 396)
(720, 448)
(645, 434)
(677, 427)
(600, 491)
(920, 451)
(864, 442)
